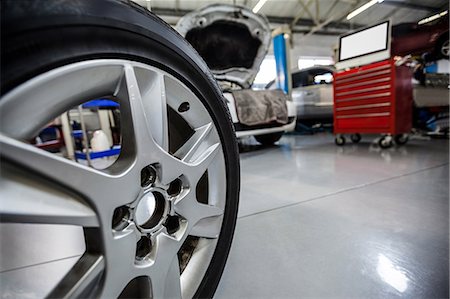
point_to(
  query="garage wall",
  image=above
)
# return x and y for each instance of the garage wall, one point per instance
(312, 46)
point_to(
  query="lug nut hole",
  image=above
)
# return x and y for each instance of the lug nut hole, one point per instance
(120, 218)
(175, 187)
(172, 224)
(143, 247)
(148, 176)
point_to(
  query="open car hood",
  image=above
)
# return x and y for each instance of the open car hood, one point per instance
(232, 40)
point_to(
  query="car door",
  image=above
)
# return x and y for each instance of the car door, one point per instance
(312, 93)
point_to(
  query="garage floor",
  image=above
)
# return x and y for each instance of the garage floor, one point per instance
(315, 220)
(318, 220)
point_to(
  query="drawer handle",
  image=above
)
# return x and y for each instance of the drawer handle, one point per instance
(365, 90)
(371, 96)
(364, 115)
(363, 106)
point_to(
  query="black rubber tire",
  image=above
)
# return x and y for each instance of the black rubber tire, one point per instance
(40, 35)
(401, 139)
(339, 140)
(355, 138)
(269, 139)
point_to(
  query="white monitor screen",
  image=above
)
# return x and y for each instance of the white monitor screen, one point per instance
(363, 42)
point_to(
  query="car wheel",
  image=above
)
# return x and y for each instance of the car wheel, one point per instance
(269, 139)
(445, 49)
(159, 221)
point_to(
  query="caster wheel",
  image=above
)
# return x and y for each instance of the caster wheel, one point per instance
(401, 139)
(355, 138)
(339, 140)
(385, 142)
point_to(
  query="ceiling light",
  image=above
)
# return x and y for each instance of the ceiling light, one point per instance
(363, 8)
(433, 17)
(259, 5)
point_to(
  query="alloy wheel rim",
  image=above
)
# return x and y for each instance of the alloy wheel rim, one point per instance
(145, 94)
(445, 48)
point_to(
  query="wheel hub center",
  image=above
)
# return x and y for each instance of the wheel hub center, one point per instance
(150, 209)
(145, 209)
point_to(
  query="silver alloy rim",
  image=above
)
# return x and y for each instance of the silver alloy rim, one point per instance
(144, 93)
(445, 48)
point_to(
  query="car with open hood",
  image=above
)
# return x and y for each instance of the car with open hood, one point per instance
(233, 41)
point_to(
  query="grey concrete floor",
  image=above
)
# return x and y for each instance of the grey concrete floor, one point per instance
(315, 221)
(322, 221)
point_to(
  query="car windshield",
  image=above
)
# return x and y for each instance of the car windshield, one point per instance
(311, 77)
(326, 78)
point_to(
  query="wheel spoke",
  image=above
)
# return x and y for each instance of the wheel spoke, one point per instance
(172, 282)
(82, 179)
(147, 112)
(169, 285)
(201, 164)
(199, 151)
(120, 255)
(27, 201)
(165, 273)
(177, 94)
(148, 150)
(135, 122)
(187, 151)
(81, 280)
(173, 167)
(120, 252)
(193, 211)
(153, 98)
(207, 228)
(23, 119)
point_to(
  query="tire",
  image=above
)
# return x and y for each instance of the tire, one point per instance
(339, 140)
(269, 139)
(356, 138)
(79, 34)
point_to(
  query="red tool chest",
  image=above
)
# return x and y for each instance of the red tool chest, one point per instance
(375, 98)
